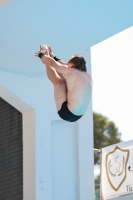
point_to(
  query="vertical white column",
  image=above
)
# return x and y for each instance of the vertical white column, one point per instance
(85, 148)
(72, 156)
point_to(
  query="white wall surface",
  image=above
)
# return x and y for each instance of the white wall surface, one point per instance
(64, 143)
(112, 72)
(64, 151)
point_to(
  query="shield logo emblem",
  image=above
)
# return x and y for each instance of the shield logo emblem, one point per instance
(116, 167)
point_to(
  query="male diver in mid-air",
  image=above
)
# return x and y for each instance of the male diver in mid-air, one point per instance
(72, 84)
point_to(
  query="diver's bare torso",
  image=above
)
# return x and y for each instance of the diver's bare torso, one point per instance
(79, 89)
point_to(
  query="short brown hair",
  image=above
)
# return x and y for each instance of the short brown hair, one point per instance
(79, 63)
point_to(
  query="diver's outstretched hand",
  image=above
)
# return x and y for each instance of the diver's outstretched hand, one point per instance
(45, 49)
(50, 52)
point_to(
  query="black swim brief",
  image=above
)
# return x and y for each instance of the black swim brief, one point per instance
(66, 114)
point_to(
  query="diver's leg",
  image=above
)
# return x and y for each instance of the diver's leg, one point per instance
(59, 86)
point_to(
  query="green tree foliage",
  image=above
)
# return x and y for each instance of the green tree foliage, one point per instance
(97, 180)
(105, 134)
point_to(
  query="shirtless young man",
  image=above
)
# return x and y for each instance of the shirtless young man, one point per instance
(72, 84)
